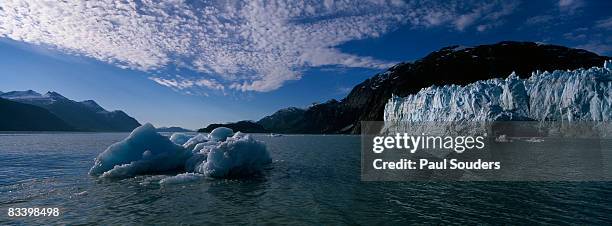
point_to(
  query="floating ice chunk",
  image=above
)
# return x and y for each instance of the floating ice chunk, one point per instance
(150, 179)
(221, 133)
(179, 138)
(200, 155)
(204, 147)
(502, 138)
(534, 140)
(81, 193)
(240, 155)
(143, 151)
(191, 143)
(181, 178)
(195, 161)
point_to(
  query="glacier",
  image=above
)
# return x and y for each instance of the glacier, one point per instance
(573, 95)
(220, 154)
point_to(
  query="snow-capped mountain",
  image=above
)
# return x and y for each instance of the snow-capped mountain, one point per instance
(33, 97)
(28, 95)
(86, 115)
(571, 95)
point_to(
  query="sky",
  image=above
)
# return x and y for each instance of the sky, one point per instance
(191, 63)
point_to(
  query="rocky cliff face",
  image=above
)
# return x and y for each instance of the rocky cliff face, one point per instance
(450, 65)
(573, 95)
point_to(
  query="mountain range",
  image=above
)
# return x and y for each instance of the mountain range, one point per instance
(242, 126)
(15, 116)
(453, 65)
(172, 129)
(32, 111)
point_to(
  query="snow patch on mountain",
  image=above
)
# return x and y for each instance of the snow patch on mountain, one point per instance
(33, 97)
(92, 105)
(576, 95)
(28, 94)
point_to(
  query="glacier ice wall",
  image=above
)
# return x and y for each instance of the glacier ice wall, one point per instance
(577, 95)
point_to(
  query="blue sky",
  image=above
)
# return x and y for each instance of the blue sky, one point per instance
(190, 64)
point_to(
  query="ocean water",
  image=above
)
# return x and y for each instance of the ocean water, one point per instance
(314, 179)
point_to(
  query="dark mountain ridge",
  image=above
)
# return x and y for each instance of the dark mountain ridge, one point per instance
(172, 129)
(15, 116)
(449, 65)
(242, 126)
(82, 116)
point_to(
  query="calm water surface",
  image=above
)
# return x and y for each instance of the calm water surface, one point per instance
(313, 180)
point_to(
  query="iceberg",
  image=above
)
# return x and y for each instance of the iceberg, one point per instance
(179, 138)
(220, 133)
(238, 155)
(575, 95)
(144, 151)
(192, 142)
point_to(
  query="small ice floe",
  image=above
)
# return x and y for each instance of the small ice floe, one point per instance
(83, 193)
(181, 178)
(534, 140)
(502, 139)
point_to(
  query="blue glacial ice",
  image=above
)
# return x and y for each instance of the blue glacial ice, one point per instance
(237, 155)
(145, 151)
(179, 138)
(221, 133)
(576, 95)
(192, 142)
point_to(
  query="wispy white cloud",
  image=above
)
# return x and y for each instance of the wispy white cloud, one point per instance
(605, 23)
(240, 45)
(488, 14)
(597, 47)
(593, 37)
(540, 19)
(560, 12)
(570, 6)
(173, 83)
(210, 84)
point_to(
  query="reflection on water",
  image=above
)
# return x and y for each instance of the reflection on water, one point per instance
(313, 180)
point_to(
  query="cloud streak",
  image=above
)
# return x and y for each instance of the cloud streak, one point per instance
(244, 46)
